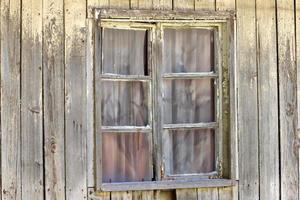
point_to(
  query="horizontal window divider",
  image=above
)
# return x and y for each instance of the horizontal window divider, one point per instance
(118, 77)
(127, 129)
(190, 75)
(209, 125)
(167, 184)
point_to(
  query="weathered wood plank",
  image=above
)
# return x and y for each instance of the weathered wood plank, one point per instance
(267, 100)
(32, 102)
(205, 4)
(184, 4)
(53, 88)
(119, 4)
(141, 4)
(10, 100)
(208, 194)
(247, 101)
(287, 100)
(75, 99)
(225, 4)
(91, 4)
(90, 103)
(100, 196)
(183, 194)
(163, 4)
(121, 195)
(225, 193)
(143, 195)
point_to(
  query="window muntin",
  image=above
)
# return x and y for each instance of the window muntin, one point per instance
(155, 36)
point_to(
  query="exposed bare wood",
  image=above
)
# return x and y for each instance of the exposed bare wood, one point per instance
(53, 88)
(116, 77)
(75, 99)
(141, 4)
(90, 103)
(161, 15)
(225, 4)
(247, 101)
(10, 100)
(289, 169)
(121, 195)
(127, 129)
(161, 185)
(182, 194)
(191, 126)
(143, 195)
(125, 4)
(32, 102)
(189, 75)
(208, 193)
(267, 100)
(184, 4)
(205, 4)
(162, 4)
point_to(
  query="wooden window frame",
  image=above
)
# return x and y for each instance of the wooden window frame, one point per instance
(226, 159)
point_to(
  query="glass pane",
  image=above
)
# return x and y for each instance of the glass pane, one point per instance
(190, 152)
(188, 101)
(126, 157)
(188, 50)
(124, 103)
(125, 51)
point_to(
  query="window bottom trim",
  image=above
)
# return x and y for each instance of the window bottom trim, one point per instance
(166, 184)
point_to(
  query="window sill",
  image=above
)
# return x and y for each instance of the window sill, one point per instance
(164, 185)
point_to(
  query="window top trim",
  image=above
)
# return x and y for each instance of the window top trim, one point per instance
(161, 15)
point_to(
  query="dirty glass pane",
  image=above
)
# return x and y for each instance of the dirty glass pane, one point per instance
(188, 101)
(126, 157)
(124, 51)
(190, 151)
(188, 50)
(124, 103)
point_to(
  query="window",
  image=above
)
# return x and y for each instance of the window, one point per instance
(162, 99)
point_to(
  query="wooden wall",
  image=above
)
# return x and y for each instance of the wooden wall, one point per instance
(44, 117)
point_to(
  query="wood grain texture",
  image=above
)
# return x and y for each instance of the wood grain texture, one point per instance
(141, 4)
(75, 99)
(162, 4)
(205, 4)
(183, 194)
(287, 100)
(225, 5)
(121, 195)
(184, 4)
(32, 102)
(124, 4)
(10, 100)
(53, 90)
(267, 100)
(208, 193)
(143, 195)
(247, 101)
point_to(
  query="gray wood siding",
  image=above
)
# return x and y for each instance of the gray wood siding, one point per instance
(46, 78)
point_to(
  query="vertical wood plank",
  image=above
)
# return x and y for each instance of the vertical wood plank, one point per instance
(247, 101)
(124, 4)
(207, 194)
(267, 100)
(99, 196)
(141, 4)
(183, 194)
(225, 4)
(163, 4)
(96, 4)
(205, 4)
(53, 88)
(75, 99)
(142, 195)
(10, 100)
(184, 4)
(225, 193)
(32, 102)
(90, 102)
(121, 195)
(287, 100)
